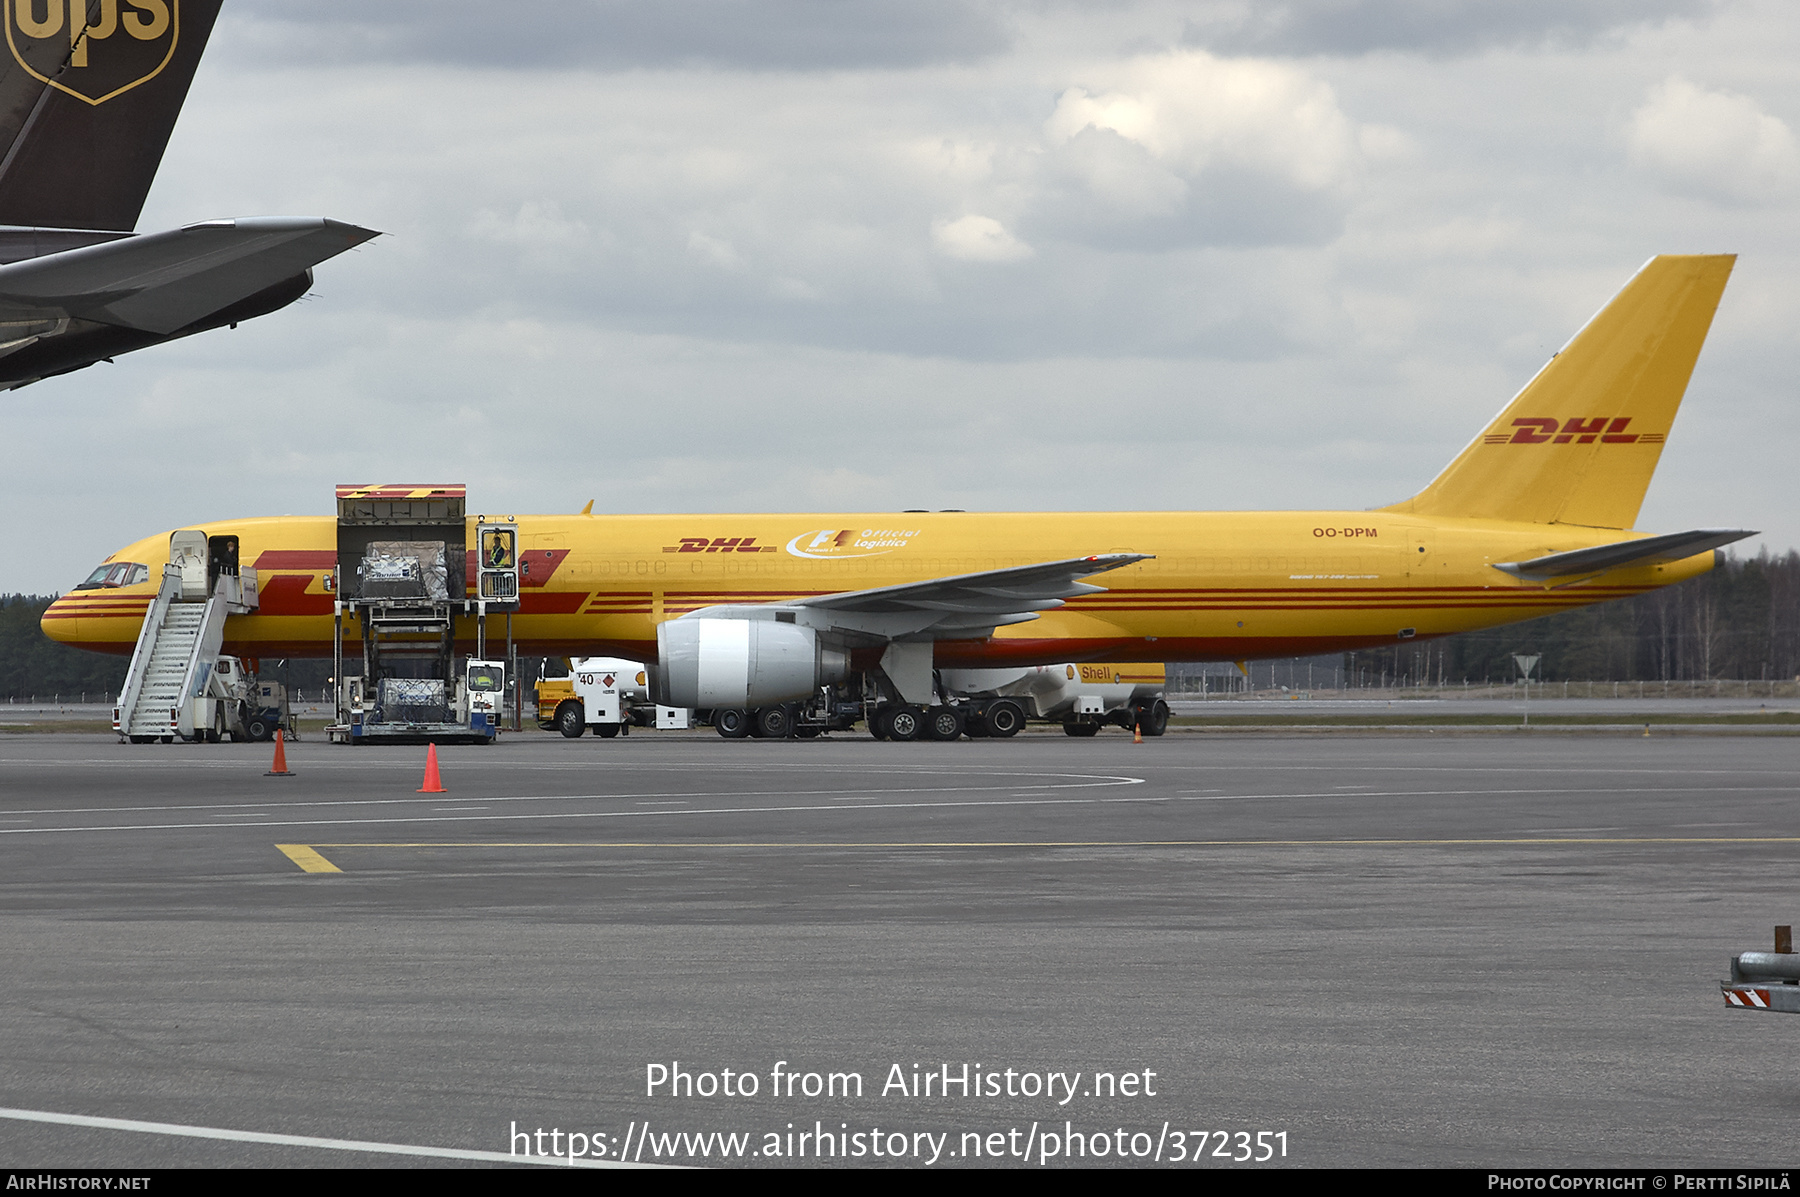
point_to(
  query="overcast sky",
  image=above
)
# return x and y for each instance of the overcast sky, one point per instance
(808, 255)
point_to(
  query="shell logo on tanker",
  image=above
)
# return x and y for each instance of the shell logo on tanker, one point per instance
(834, 543)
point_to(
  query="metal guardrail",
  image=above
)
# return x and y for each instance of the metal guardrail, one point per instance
(1766, 980)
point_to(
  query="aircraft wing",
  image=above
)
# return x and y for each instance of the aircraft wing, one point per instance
(960, 606)
(1672, 547)
(161, 282)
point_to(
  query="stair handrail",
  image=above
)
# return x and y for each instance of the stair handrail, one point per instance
(209, 637)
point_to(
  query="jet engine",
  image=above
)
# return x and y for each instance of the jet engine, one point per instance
(746, 663)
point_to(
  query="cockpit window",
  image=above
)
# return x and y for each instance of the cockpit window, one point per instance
(116, 573)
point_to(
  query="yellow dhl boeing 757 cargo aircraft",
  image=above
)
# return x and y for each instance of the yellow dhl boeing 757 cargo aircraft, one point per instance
(1534, 517)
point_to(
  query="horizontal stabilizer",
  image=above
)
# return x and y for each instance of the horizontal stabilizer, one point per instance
(162, 282)
(1650, 549)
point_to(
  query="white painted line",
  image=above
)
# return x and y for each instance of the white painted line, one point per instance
(863, 804)
(1079, 781)
(1564, 830)
(599, 814)
(237, 1136)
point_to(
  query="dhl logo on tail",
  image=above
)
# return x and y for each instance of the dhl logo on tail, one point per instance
(107, 46)
(1542, 430)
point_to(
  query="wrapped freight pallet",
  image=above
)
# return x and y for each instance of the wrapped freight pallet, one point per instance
(412, 700)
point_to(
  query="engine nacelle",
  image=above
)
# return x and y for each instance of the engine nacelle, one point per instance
(741, 663)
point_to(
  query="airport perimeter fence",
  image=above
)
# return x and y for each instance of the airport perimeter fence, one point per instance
(80, 698)
(106, 698)
(1714, 688)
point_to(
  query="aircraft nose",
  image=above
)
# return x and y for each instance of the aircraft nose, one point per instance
(60, 622)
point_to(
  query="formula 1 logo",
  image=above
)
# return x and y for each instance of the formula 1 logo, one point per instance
(830, 544)
(93, 49)
(1542, 430)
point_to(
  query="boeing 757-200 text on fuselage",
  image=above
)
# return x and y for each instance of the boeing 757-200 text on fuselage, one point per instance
(1534, 516)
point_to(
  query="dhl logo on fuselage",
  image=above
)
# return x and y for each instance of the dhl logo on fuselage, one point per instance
(1542, 430)
(718, 544)
(850, 542)
(108, 47)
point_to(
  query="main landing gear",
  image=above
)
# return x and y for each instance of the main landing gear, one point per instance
(901, 721)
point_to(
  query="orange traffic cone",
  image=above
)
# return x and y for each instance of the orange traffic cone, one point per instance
(1137, 733)
(279, 768)
(432, 783)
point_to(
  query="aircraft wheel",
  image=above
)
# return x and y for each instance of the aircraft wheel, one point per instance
(571, 720)
(1003, 718)
(1082, 730)
(1153, 720)
(905, 723)
(731, 723)
(606, 731)
(943, 723)
(772, 723)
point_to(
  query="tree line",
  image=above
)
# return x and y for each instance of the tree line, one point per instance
(1739, 621)
(33, 664)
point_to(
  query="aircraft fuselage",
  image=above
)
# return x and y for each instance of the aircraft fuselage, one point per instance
(1222, 585)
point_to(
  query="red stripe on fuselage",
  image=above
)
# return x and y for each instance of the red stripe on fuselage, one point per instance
(286, 595)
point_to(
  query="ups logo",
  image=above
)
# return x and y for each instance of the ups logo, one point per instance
(93, 49)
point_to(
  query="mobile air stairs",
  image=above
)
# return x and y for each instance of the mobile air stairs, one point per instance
(182, 635)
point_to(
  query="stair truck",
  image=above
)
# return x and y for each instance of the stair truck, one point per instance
(171, 686)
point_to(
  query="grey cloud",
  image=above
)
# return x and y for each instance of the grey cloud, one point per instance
(1107, 192)
(1070, 298)
(1430, 26)
(626, 34)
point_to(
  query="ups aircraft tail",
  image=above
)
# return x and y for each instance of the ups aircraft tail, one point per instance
(1580, 442)
(89, 93)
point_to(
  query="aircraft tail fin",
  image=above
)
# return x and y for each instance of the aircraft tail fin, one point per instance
(87, 105)
(1578, 445)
